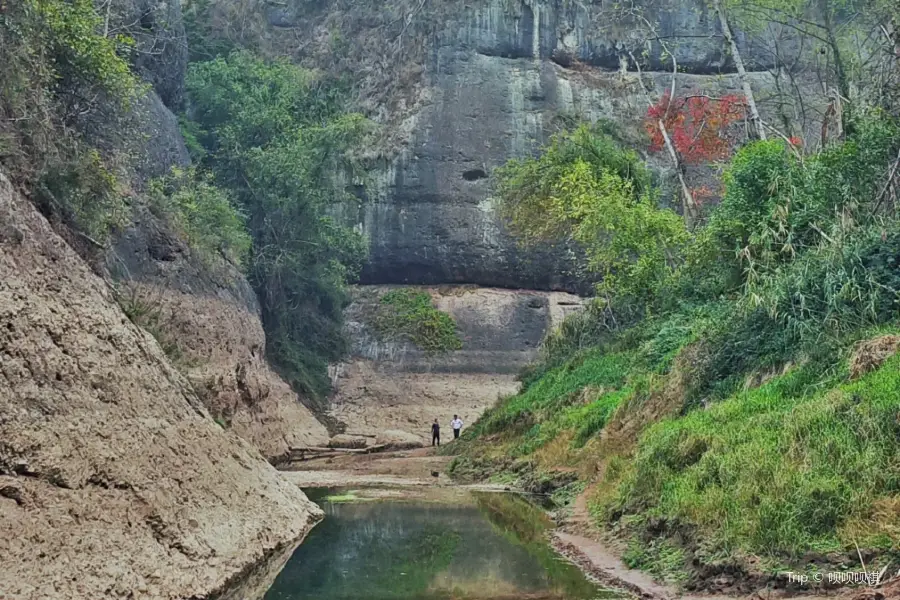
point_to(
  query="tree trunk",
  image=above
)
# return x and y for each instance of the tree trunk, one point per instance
(839, 70)
(742, 72)
(690, 207)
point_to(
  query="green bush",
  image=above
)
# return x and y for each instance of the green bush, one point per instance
(204, 213)
(85, 194)
(59, 70)
(777, 206)
(409, 315)
(585, 190)
(81, 53)
(770, 452)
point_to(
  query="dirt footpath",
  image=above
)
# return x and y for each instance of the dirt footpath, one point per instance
(410, 467)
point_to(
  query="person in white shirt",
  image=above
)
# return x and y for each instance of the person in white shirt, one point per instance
(456, 424)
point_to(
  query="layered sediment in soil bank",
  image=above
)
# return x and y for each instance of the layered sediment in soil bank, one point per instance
(114, 479)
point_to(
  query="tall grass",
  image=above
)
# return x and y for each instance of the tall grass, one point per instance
(556, 391)
(774, 473)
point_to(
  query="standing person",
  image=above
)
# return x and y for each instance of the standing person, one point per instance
(456, 424)
(435, 433)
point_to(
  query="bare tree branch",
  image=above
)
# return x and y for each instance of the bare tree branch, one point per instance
(690, 207)
(742, 72)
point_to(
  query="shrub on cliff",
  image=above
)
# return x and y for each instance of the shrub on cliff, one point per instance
(410, 315)
(204, 213)
(274, 134)
(585, 189)
(59, 68)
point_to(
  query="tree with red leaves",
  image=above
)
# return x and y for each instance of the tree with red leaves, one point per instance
(698, 125)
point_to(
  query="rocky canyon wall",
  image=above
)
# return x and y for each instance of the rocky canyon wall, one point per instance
(202, 309)
(463, 87)
(207, 318)
(460, 88)
(393, 385)
(115, 481)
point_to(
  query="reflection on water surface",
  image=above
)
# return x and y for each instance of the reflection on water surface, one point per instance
(491, 549)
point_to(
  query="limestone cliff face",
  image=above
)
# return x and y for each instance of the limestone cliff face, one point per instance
(161, 49)
(500, 330)
(146, 139)
(464, 86)
(114, 479)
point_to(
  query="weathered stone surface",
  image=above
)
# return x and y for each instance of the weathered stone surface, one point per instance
(370, 398)
(351, 442)
(114, 479)
(395, 439)
(207, 317)
(161, 47)
(500, 330)
(498, 78)
(395, 386)
(145, 137)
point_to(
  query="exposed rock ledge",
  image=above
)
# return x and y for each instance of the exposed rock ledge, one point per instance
(208, 318)
(114, 480)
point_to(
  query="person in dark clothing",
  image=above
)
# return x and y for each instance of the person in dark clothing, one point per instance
(435, 433)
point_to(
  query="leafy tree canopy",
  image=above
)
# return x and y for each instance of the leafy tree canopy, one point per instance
(586, 189)
(275, 135)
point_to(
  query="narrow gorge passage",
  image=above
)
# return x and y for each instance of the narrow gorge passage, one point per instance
(391, 390)
(253, 252)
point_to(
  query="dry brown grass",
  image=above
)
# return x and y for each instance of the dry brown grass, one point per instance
(667, 396)
(883, 519)
(760, 378)
(587, 461)
(589, 394)
(868, 355)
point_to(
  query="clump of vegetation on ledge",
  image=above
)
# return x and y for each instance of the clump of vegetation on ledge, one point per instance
(407, 314)
(203, 213)
(59, 72)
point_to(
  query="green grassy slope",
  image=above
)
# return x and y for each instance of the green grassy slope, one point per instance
(792, 462)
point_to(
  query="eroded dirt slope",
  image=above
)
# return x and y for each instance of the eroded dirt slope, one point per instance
(114, 479)
(220, 346)
(207, 318)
